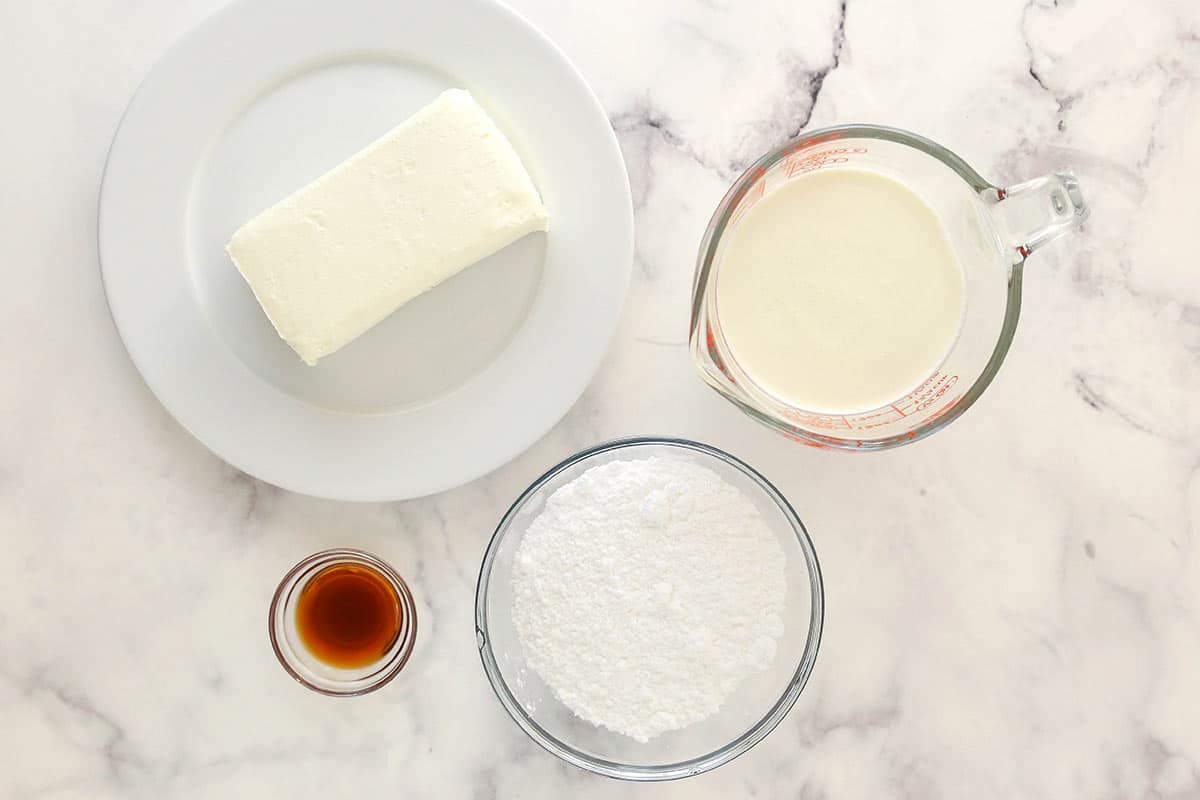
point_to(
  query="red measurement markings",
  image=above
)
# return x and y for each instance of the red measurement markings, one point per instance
(815, 421)
(710, 341)
(804, 440)
(813, 141)
(802, 163)
(879, 418)
(947, 408)
(925, 395)
(748, 200)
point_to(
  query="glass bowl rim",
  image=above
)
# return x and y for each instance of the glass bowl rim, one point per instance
(408, 635)
(693, 766)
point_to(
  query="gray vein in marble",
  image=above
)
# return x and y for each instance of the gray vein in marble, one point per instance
(700, 35)
(1086, 387)
(422, 585)
(56, 788)
(213, 678)
(1064, 101)
(258, 755)
(1137, 601)
(1086, 393)
(115, 750)
(1021, 622)
(646, 117)
(444, 535)
(1158, 758)
(259, 496)
(658, 342)
(643, 265)
(816, 80)
(881, 714)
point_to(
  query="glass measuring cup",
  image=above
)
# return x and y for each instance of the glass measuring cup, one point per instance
(991, 230)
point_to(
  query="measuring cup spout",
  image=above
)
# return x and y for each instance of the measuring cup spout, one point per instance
(1035, 212)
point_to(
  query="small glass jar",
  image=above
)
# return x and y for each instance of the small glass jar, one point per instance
(302, 664)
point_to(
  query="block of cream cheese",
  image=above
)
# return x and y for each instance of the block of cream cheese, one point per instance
(436, 194)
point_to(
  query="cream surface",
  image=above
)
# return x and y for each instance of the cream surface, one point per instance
(839, 291)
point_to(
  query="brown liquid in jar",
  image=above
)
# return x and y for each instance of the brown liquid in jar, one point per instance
(348, 615)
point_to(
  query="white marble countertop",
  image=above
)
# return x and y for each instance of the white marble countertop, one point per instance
(1013, 605)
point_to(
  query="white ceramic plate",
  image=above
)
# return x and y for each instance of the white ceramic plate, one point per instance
(268, 94)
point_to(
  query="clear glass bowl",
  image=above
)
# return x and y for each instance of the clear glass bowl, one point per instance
(306, 668)
(755, 708)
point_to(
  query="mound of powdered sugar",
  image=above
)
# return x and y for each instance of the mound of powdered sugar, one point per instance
(645, 592)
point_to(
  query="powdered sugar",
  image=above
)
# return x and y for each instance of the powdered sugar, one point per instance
(645, 592)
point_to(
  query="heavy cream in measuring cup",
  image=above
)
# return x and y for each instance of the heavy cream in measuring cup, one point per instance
(839, 291)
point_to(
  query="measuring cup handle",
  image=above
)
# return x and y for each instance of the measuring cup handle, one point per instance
(1035, 212)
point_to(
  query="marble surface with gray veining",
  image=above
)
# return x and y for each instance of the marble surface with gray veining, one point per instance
(1013, 605)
